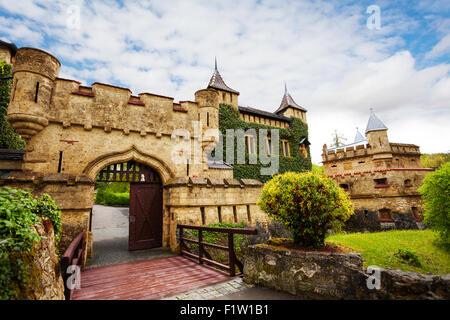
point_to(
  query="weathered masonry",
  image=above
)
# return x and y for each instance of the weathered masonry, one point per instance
(379, 175)
(74, 132)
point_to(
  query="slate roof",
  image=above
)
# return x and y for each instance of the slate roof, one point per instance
(359, 137)
(215, 164)
(287, 102)
(217, 82)
(374, 123)
(263, 114)
(11, 47)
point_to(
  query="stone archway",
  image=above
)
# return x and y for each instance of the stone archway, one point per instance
(133, 153)
(164, 172)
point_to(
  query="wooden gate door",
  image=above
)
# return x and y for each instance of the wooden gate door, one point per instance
(145, 228)
(145, 216)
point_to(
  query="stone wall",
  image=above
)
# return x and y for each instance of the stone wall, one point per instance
(46, 280)
(311, 275)
(201, 201)
(74, 195)
(307, 275)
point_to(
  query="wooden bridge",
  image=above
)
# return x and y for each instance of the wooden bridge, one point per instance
(153, 279)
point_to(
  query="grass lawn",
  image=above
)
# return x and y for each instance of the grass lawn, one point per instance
(378, 249)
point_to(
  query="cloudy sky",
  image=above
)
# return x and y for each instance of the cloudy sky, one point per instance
(337, 61)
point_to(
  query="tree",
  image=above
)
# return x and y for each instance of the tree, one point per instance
(9, 139)
(308, 204)
(436, 195)
(338, 139)
(434, 160)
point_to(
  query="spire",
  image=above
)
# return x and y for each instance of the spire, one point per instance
(288, 101)
(217, 82)
(359, 137)
(374, 123)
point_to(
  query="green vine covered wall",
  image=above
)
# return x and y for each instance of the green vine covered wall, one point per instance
(229, 119)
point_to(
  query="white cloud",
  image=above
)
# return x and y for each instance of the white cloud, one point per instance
(334, 66)
(441, 48)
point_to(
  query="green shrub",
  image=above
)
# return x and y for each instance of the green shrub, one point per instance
(436, 195)
(409, 256)
(308, 204)
(106, 197)
(19, 211)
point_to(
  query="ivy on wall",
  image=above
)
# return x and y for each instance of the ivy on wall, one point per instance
(229, 119)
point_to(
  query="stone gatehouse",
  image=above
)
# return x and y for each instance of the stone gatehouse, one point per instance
(74, 132)
(379, 175)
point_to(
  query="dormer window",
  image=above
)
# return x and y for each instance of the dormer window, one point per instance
(304, 143)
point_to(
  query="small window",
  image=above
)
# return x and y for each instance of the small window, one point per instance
(223, 96)
(385, 214)
(334, 166)
(344, 186)
(36, 93)
(416, 214)
(303, 150)
(250, 144)
(249, 216)
(408, 183)
(381, 183)
(202, 211)
(235, 214)
(219, 214)
(207, 119)
(269, 149)
(361, 162)
(286, 150)
(366, 213)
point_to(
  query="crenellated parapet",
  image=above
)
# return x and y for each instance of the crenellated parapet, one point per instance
(40, 97)
(346, 152)
(115, 108)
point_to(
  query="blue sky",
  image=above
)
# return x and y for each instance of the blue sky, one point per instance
(334, 65)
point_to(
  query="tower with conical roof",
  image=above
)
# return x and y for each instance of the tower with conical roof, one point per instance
(359, 137)
(376, 134)
(289, 108)
(226, 94)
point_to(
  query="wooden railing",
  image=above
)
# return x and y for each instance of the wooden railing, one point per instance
(203, 256)
(72, 256)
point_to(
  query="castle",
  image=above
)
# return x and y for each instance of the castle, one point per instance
(379, 175)
(78, 134)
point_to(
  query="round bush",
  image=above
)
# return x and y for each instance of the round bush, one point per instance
(308, 204)
(436, 195)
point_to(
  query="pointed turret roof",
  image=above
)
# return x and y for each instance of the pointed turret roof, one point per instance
(217, 82)
(287, 102)
(374, 123)
(359, 137)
